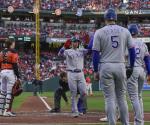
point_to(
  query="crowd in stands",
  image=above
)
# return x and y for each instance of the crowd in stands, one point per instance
(138, 4)
(17, 28)
(145, 31)
(89, 5)
(27, 29)
(48, 67)
(83, 32)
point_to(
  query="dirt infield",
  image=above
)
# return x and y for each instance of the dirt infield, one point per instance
(34, 111)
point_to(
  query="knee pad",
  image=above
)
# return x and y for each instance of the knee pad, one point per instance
(8, 96)
(2, 95)
(8, 100)
(2, 100)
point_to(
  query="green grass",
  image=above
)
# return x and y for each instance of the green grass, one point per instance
(20, 99)
(95, 102)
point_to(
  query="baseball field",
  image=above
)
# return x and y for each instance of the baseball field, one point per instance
(35, 110)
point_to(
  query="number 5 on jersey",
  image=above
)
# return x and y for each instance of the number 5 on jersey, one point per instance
(115, 41)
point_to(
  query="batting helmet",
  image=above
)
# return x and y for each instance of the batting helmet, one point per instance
(74, 39)
(110, 14)
(133, 28)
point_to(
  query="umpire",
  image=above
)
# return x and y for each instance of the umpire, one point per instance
(35, 87)
(60, 91)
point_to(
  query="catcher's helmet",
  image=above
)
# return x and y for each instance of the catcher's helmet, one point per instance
(133, 28)
(110, 14)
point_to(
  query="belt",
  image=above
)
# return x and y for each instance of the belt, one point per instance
(75, 70)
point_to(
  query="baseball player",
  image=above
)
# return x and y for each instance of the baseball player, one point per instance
(9, 72)
(136, 80)
(111, 41)
(75, 60)
(11, 101)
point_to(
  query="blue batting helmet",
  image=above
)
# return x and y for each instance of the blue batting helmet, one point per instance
(110, 14)
(133, 28)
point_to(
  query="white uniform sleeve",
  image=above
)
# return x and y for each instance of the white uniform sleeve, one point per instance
(96, 41)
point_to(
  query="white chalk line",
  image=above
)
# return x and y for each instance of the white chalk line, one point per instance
(45, 103)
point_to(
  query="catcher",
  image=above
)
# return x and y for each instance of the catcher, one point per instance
(9, 73)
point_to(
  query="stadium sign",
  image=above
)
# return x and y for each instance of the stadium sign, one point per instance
(146, 86)
(51, 40)
(133, 12)
(22, 38)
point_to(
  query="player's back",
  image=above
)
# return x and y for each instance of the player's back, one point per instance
(112, 41)
(141, 51)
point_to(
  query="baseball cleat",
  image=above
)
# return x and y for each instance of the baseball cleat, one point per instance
(75, 115)
(9, 114)
(54, 111)
(1, 113)
(104, 119)
(80, 113)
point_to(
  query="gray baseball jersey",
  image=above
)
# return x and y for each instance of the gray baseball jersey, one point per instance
(74, 58)
(141, 51)
(112, 41)
(136, 81)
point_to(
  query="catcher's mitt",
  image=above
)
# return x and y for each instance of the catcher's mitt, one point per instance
(129, 72)
(17, 88)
